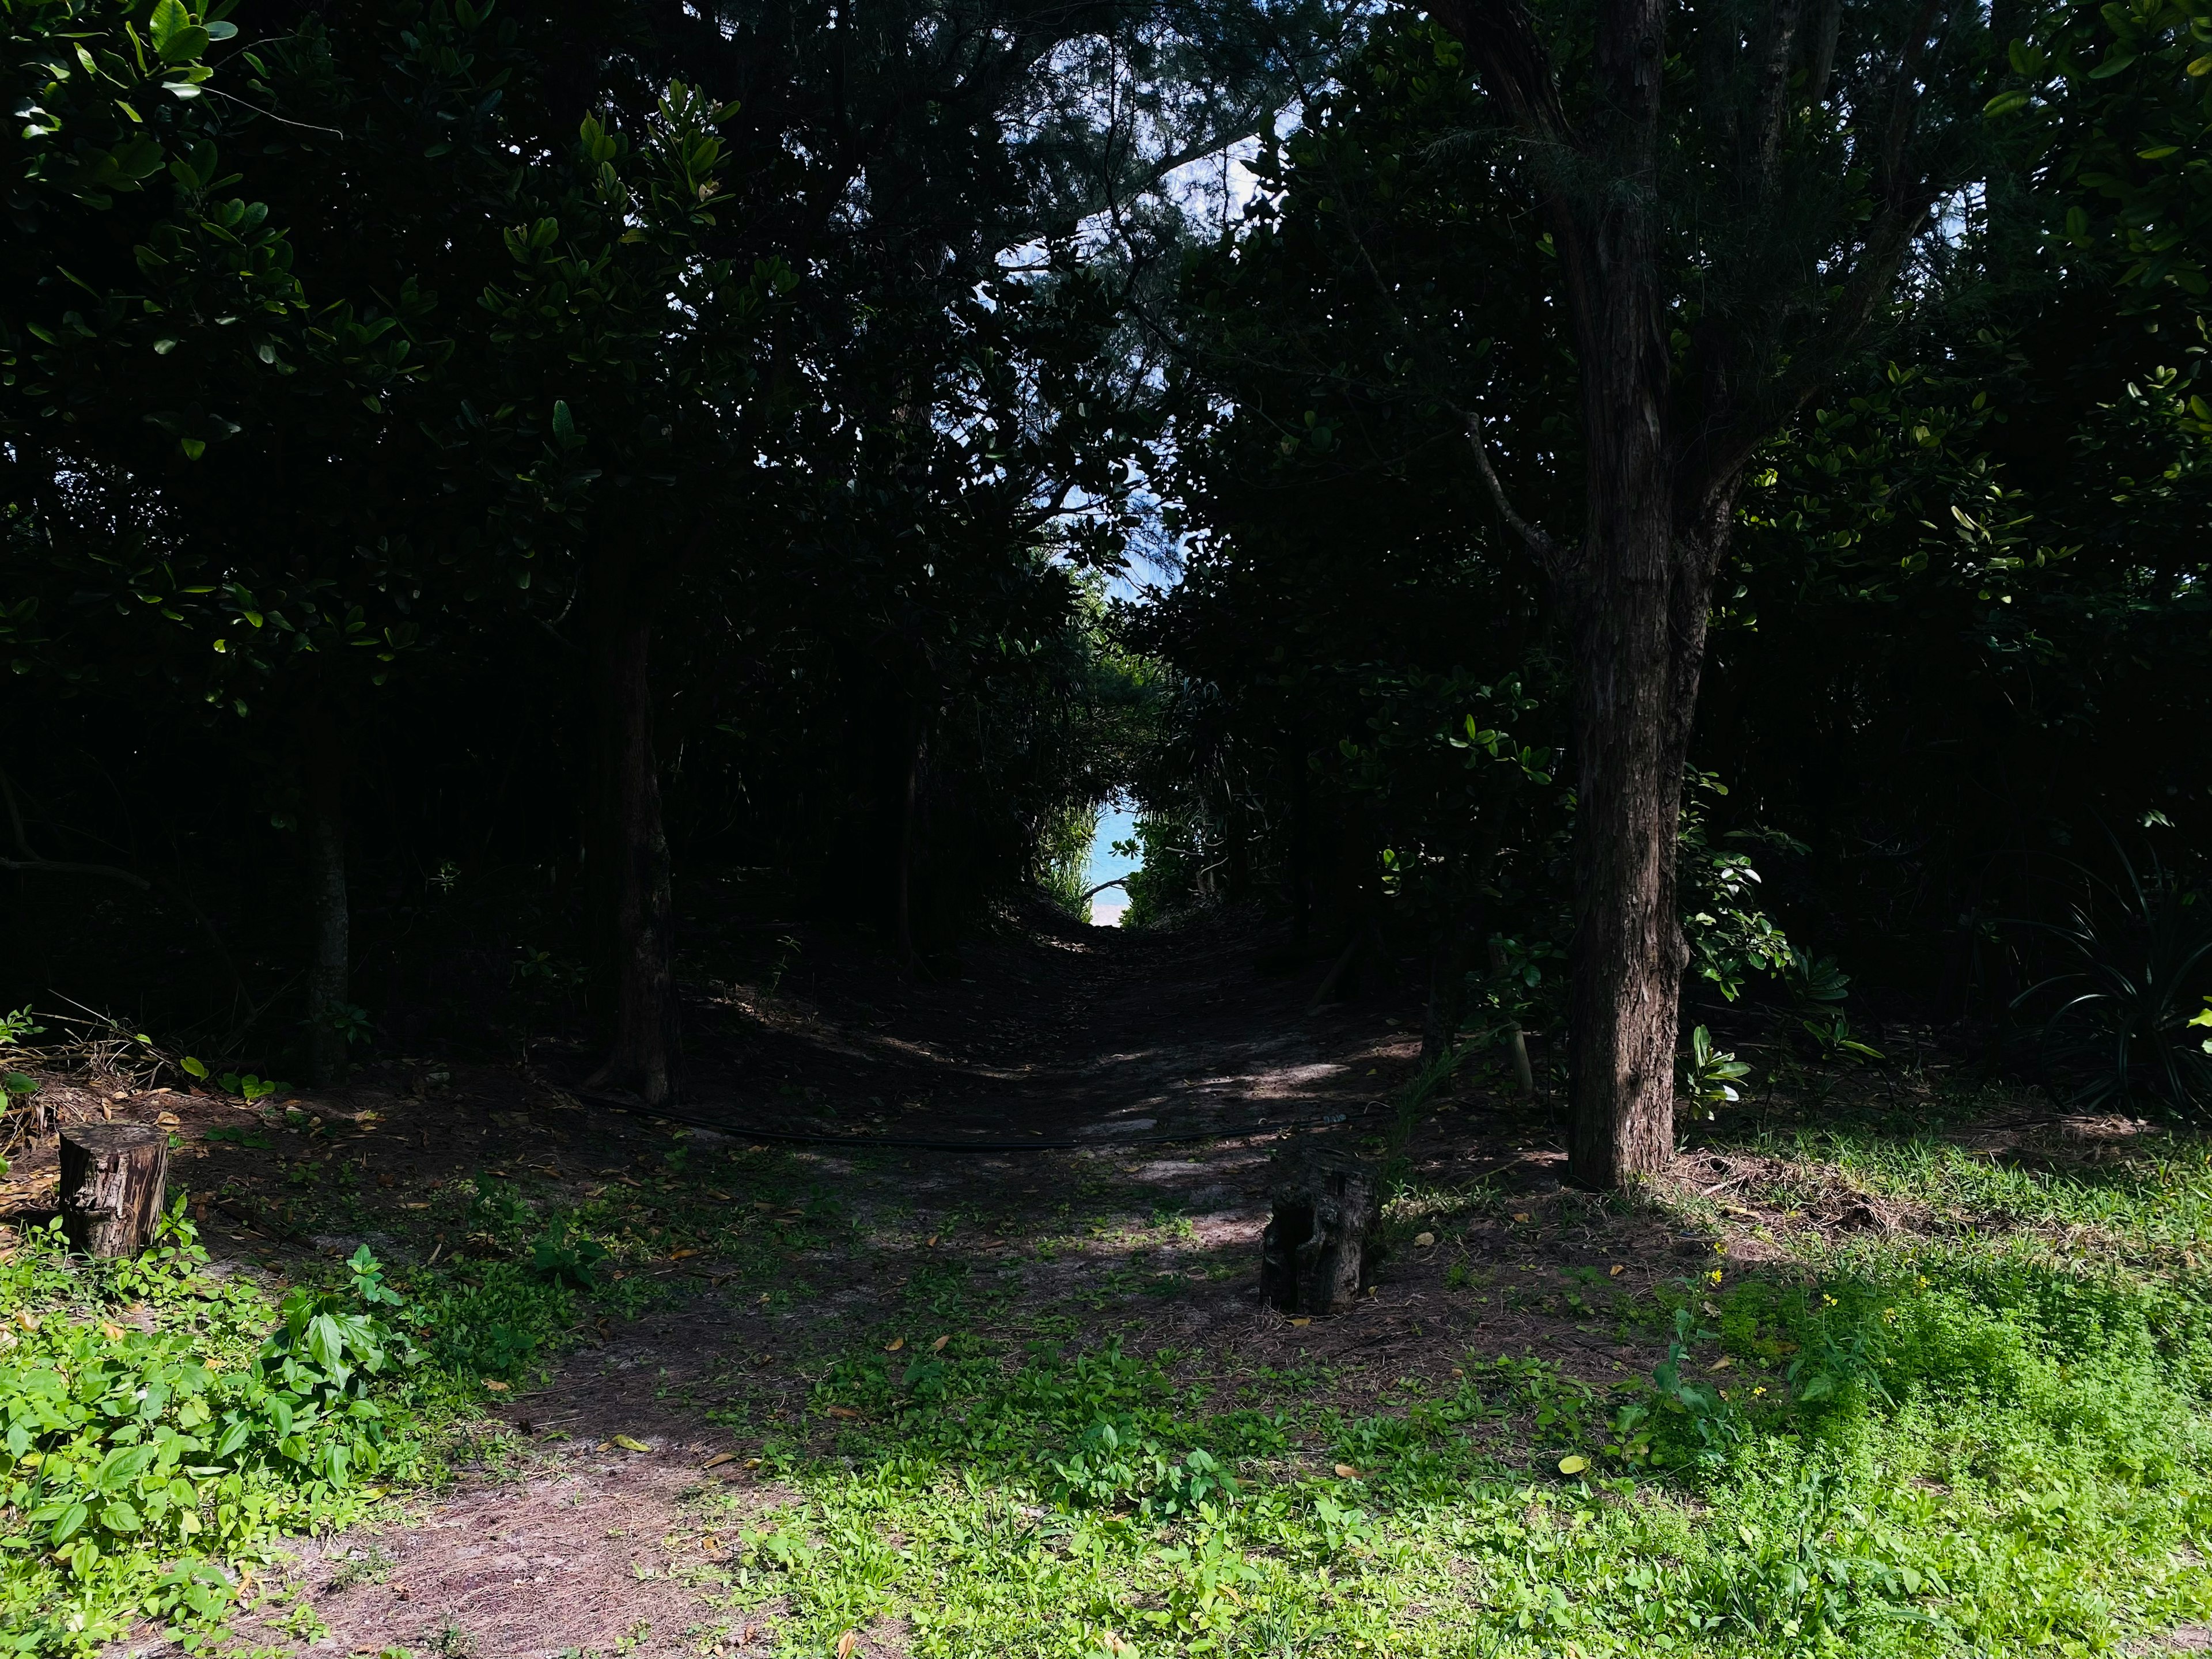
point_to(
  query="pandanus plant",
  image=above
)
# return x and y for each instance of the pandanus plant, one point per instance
(2126, 1015)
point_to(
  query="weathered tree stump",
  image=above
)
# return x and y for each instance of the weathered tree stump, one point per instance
(112, 1175)
(1320, 1251)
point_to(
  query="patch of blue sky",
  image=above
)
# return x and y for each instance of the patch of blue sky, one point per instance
(1117, 823)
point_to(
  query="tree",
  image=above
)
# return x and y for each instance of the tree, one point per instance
(1730, 191)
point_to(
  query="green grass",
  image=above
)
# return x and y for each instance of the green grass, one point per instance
(1995, 1465)
(1989, 1441)
(1987, 1438)
(126, 1494)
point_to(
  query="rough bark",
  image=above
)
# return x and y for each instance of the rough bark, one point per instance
(330, 965)
(1320, 1251)
(113, 1176)
(626, 855)
(1637, 585)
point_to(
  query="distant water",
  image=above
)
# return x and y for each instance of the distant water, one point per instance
(1117, 824)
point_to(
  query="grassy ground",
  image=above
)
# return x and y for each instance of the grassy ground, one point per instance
(1927, 1377)
(1988, 1437)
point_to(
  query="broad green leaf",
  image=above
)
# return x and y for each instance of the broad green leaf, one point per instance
(169, 19)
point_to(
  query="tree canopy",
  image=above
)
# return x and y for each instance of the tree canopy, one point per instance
(1602, 499)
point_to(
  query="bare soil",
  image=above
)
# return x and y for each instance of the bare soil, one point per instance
(1179, 1070)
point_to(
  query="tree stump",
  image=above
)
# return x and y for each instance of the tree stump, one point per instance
(112, 1175)
(1320, 1251)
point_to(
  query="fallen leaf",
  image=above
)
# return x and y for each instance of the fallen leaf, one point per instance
(496, 1385)
(724, 1197)
(895, 1344)
(847, 1643)
(414, 1206)
(629, 1444)
(678, 1256)
(168, 1120)
(112, 1331)
(1422, 1241)
(842, 1411)
(1302, 1321)
(752, 1462)
(1522, 1215)
(718, 1459)
(938, 1347)
(1619, 1268)
(1574, 1465)
(1723, 1363)
(1345, 1472)
(932, 1238)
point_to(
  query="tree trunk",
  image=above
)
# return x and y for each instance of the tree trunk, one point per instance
(1627, 954)
(330, 968)
(909, 835)
(1516, 1040)
(1320, 1251)
(112, 1181)
(1639, 647)
(626, 854)
(1621, 592)
(1661, 481)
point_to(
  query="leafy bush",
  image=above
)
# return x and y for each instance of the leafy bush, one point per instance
(564, 1260)
(1116, 1467)
(491, 1318)
(129, 1456)
(2121, 1026)
(1710, 1075)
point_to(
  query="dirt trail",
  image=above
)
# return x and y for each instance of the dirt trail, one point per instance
(564, 1542)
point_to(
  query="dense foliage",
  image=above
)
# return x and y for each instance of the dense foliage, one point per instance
(477, 483)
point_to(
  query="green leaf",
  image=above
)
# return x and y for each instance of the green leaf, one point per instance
(2005, 102)
(193, 1067)
(169, 20)
(2112, 65)
(176, 37)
